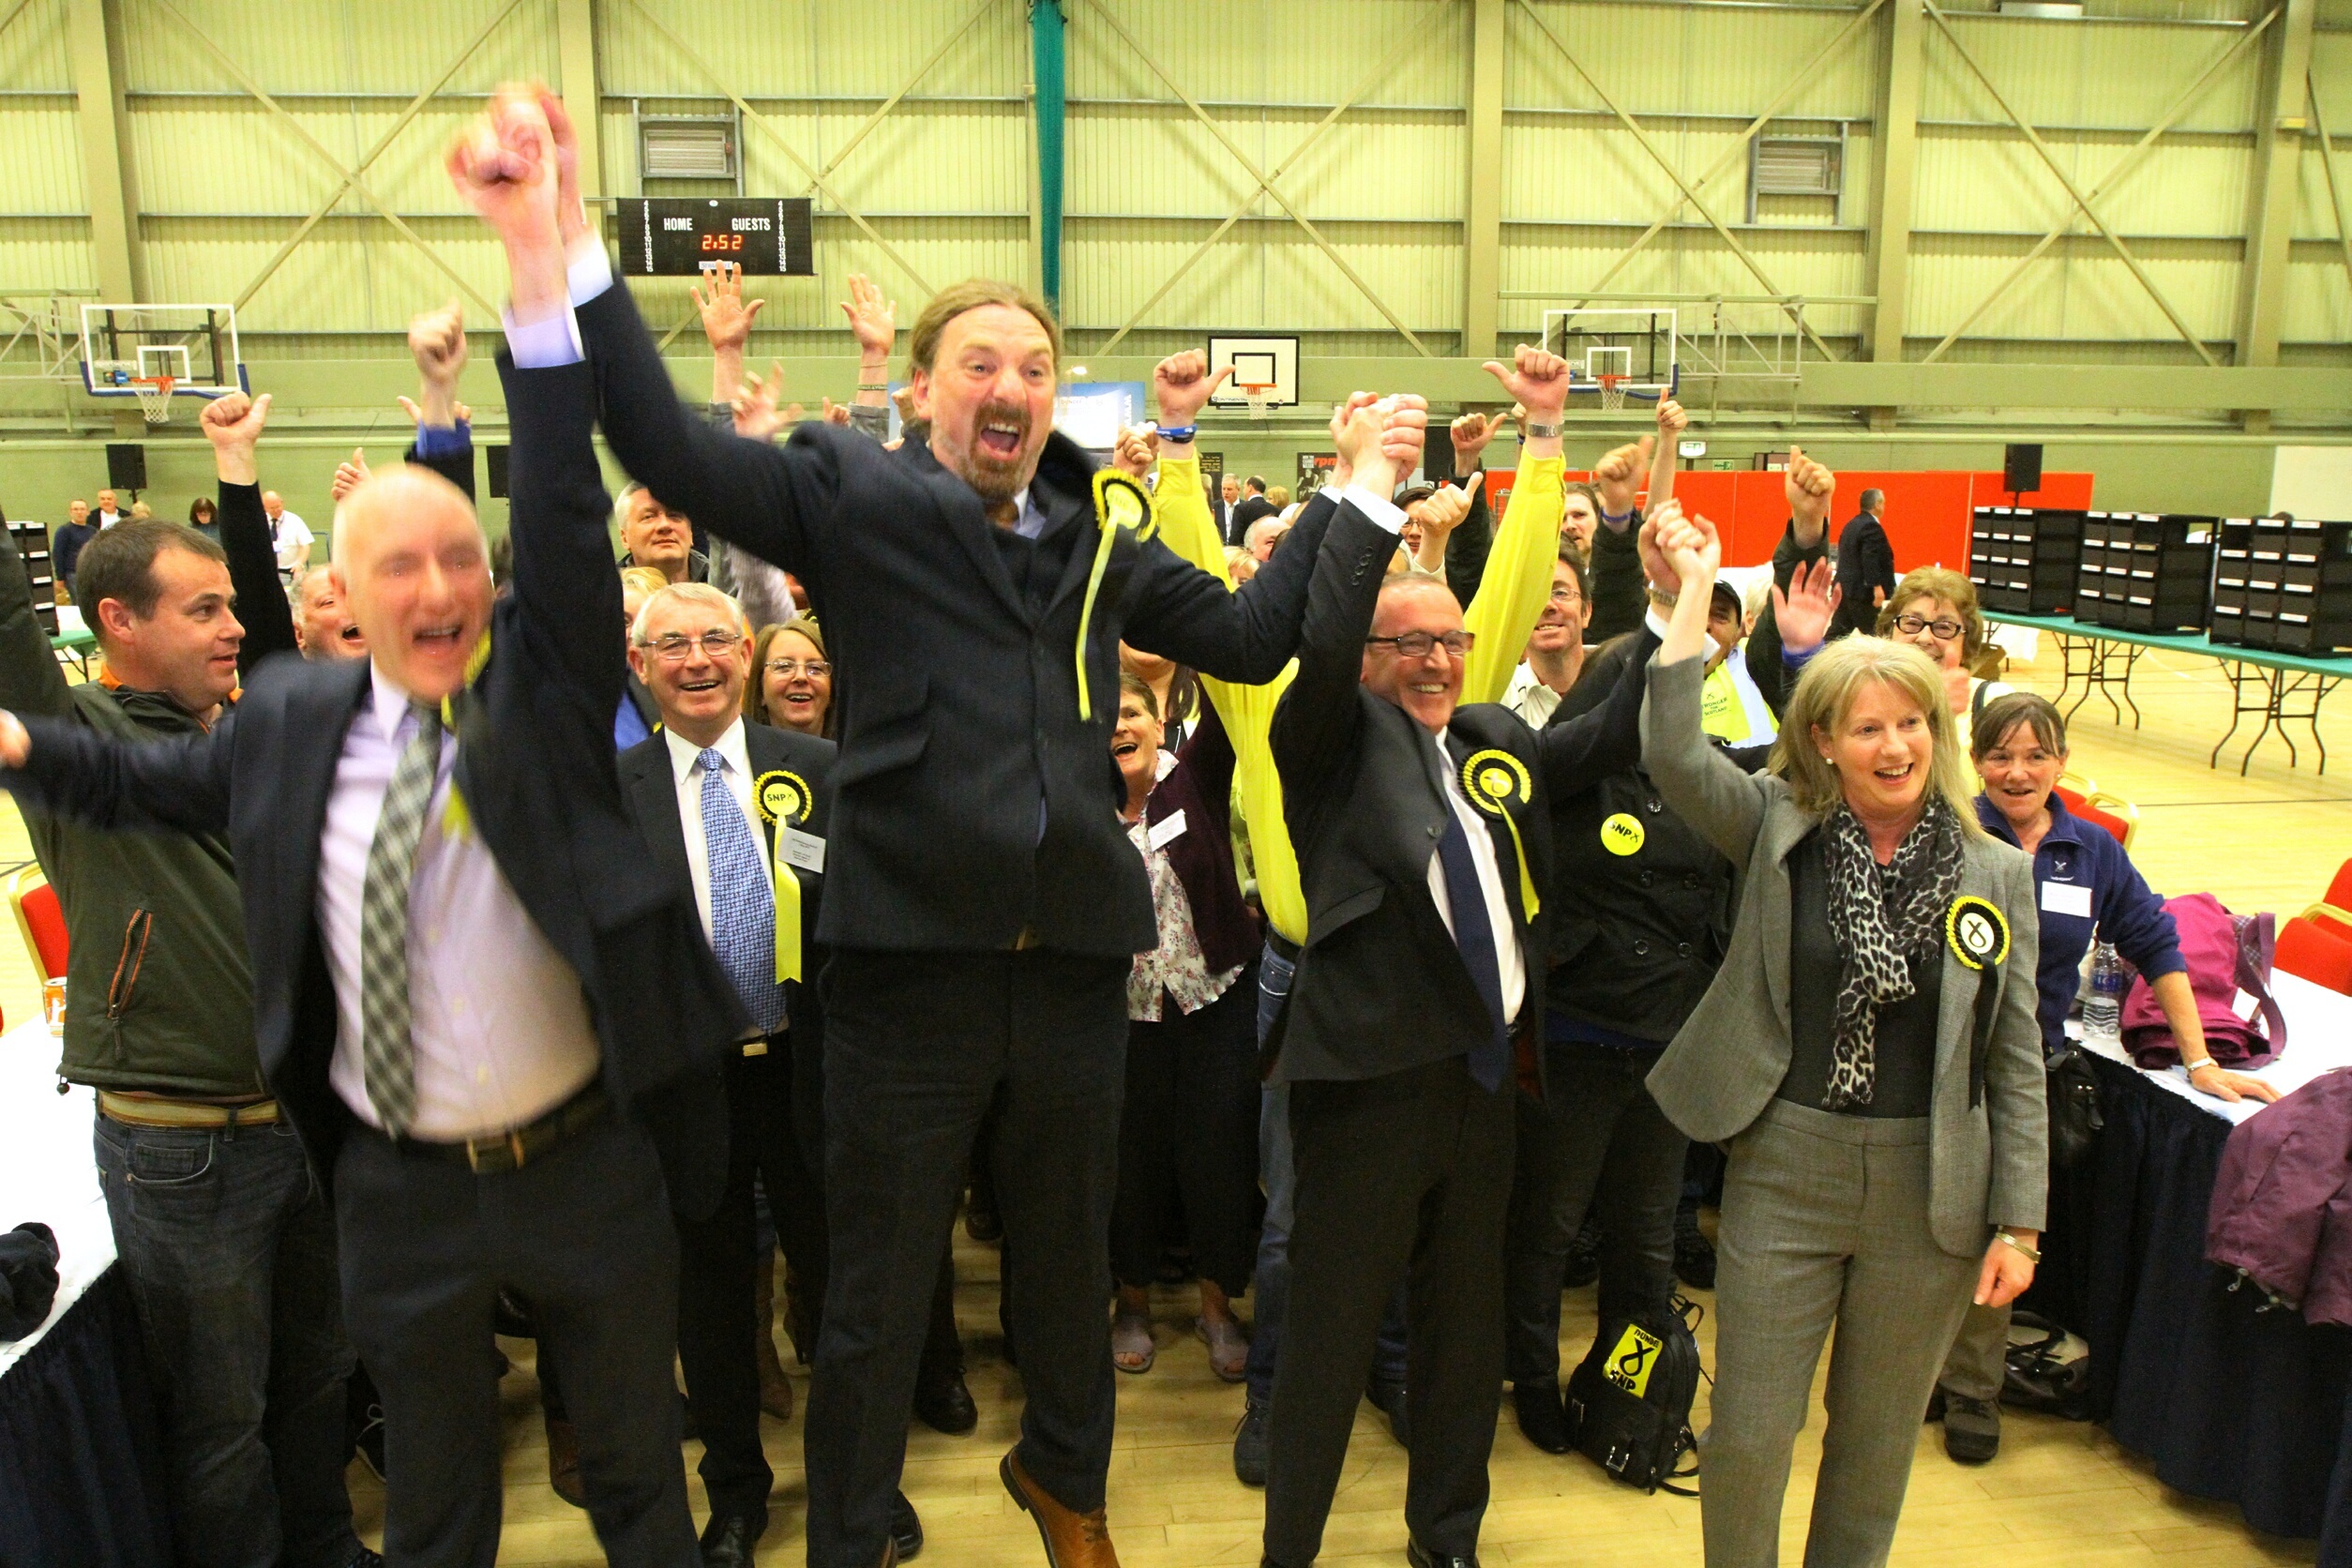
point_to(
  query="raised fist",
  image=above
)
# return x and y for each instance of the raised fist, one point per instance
(1810, 486)
(1182, 385)
(436, 339)
(1672, 421)
(1471, 434)
(234, 421)
(1619, 474)
(350, 475)
(1537, 380)
(1138, 450)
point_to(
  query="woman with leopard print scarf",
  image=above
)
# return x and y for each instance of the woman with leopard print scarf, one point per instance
(1868, 1055)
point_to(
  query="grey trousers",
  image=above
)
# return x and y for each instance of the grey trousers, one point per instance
(1979, 1361)
(1824, 1221)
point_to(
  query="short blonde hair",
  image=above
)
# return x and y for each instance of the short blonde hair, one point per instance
(686, 592)
(1939, 583)
(1825, 696)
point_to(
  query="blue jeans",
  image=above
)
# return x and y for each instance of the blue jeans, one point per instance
(1272, 1289)
(229, 1249)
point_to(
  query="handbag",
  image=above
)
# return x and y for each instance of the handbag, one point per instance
(2075, 1120)
(2228, 959)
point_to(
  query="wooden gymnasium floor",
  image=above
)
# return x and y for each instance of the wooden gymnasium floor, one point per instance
(2058, 1494)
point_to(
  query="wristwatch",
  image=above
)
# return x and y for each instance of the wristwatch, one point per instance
(1540, 432)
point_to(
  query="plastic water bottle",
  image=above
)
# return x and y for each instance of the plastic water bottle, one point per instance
(2102, 1008)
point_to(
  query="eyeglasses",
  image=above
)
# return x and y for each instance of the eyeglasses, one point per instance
(815, 669)
(1912, 626)
(1420, 645)
(674, 648)
(1566, 596)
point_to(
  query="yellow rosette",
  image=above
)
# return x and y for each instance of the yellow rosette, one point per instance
(1976, 931)
(1493, 779)
(1120, 502)
(784, 798)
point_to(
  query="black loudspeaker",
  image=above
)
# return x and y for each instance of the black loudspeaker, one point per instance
(125, 465)
(497, 473)
(2021, 468)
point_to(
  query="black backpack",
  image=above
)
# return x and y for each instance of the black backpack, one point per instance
(1629, 1402)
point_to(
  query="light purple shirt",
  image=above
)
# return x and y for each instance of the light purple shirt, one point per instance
(498, 1018)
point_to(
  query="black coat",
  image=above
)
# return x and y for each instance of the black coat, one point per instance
(1381, 986)
(971, 802)
(536, 767)
(1865, 561)
(1640, 917)
(651, 791)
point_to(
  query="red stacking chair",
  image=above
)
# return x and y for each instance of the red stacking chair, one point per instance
(2311, 950)
(40, 920)
(2339, 890)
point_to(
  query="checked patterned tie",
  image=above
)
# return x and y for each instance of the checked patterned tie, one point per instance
(742, 901)
(387, 1054)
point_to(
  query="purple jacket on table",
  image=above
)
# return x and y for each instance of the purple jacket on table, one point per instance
(2282, 1208)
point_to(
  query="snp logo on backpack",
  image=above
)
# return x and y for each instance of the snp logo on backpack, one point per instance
(1630, 1363)
(1629, 1402)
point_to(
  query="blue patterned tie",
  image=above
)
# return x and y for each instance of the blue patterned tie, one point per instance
(1474, 934)
(742, 901)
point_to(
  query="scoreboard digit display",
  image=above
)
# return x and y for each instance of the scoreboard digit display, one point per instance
(766, 237)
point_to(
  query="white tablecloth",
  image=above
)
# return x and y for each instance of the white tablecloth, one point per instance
(48, 1171)
(2318, 1040)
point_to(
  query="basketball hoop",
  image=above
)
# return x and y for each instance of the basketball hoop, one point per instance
(1259, 395)
(155, 398)
(1613, 391)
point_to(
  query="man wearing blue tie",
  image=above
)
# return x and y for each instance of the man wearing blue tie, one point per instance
(736, 813)
(1422, 835)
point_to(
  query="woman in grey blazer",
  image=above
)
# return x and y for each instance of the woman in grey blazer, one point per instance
(1869, 1058)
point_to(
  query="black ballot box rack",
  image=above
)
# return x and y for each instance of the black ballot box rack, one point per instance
(32, 545)
(2026, 560)
(2146, 571)
(2284, 585)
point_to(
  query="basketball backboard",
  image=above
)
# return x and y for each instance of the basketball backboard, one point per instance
(1268, 363)
(124, 346)
(1638, 348)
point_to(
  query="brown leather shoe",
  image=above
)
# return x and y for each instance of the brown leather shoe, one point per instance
(563, 1463)
(1073, 1540)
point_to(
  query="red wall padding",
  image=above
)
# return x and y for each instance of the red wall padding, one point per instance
(1926, 518)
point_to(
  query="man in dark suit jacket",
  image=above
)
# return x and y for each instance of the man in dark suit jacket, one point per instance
(729, 810)
(524, 1108)
(984, 903)
(1252, 505)
(1422, 832)
(1865, 567)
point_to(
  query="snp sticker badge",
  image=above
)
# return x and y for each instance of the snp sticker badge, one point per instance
(783, 796)
(1976, 931)
(1623, 833)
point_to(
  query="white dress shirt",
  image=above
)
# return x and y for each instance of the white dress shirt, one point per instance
(292, 538)
(685, 770)
(498, 1018)
(1530, 697)
(1507, 956)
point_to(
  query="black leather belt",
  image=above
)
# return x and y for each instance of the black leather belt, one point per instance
(760, 1045)
(1284, 947)
(516, 1147)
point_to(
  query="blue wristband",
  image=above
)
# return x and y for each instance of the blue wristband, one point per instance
(1178, 433)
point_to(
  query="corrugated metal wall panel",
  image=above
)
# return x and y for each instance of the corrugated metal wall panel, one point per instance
(1993, 181)
(2314, 207)
(1271, 50)
(2318, 297)
(786, 47)
(336, 45)
(1655, 58)
(1289, 286)
(2058, 73)
(2080, 289)
(33, 49)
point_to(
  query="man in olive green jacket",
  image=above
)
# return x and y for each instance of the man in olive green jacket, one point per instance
(219, 1226)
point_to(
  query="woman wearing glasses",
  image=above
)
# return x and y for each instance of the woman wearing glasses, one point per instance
(793, 680)
(1934, 610)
